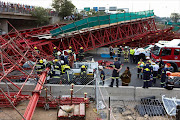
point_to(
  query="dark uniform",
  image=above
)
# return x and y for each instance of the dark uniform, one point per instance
(146, 75)
(119, 54)
(102, 76)
(111, 52)
(115, 74)
(160, 63)
(163, 77)
(83, 74)
(56, 72)
(55, 53)
(39, 67)
(81, 55)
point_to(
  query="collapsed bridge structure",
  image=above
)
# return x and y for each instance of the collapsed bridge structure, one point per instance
(16, 48)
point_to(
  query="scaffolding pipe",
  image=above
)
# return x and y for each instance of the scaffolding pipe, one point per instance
(34, 99)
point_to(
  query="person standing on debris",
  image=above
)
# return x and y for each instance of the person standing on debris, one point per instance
(136, 55)
(126, 54)
(36, 53)
(163, 76)
(56, 72)
(126, 77)
(140, 67)
(132, 51)
(81, 54)
(39, 66)
(71, 59)
(115, 74)
(55, 53)
(119, 53)
(111, 52)
(147, 69)
(155, 72)
(102, 74)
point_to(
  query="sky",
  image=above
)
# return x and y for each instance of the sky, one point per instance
(162, 8)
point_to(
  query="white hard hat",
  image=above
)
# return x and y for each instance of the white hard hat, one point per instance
(101, 67)
(62, 61)
(147, 57)
(44, 60)
(58, 53)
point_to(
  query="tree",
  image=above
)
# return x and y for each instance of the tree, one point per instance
(63, 7)
(175, 16)
(41, 14)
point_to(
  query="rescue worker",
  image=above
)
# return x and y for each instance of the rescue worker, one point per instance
(70, 48)
(83, 74)
(36, 53)
(64, 68)
(115, 74)
(111, 52)
(119, 53)
(49, 74)
(160, 63)
(140, 67)
(126, 54)
(65, 77)
(71, 59)
(55, 53)
(136, 56)
(155, 72)
(147, 69)
(102, 74)
(148, 59)
(39, 66)
(56, 72)
(81, 54)
(132, 51)
(126, 77)
(163, 76)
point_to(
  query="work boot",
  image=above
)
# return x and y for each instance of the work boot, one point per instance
(141, 77)
(110, 86)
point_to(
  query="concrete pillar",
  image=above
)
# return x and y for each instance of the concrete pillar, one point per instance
(4, 25)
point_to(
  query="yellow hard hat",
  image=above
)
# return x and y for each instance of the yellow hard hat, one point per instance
(83, 66)
(56, 60)
(35, 47)
(54, 47)
(67, 67)
(69, 51)
(41, 61)
(70, 47)
(81, 47)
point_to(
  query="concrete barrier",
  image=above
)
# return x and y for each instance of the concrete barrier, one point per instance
(120, 93)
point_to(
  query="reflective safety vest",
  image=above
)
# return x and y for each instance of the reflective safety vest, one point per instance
(119, 51)
(81, 53)
(140, 64)
(147, 68)
(83, 73)
(55, 53)
(56, 71)
(39, 67)
(126, 52)
(63, 68)
(132, 51)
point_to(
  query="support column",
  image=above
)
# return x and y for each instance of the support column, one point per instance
(3, 26)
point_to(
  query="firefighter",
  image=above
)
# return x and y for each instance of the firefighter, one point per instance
(39, 66)
(56, 72)
(126, 54)
(71, 59)
(70, 48)
(140, 67)
(36, 53)
(115, 75)
(147, 69)
(160, 63)
(155, 72)
(65, 76)
(163, 76)
(81, 54)
(55, 53)
(49, 74)
(132, 51)
(102, 74)
(119, 53)
(111, 52)
(83, 73)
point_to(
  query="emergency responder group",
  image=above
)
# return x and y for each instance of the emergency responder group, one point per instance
(60, 65)
(146, 70)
